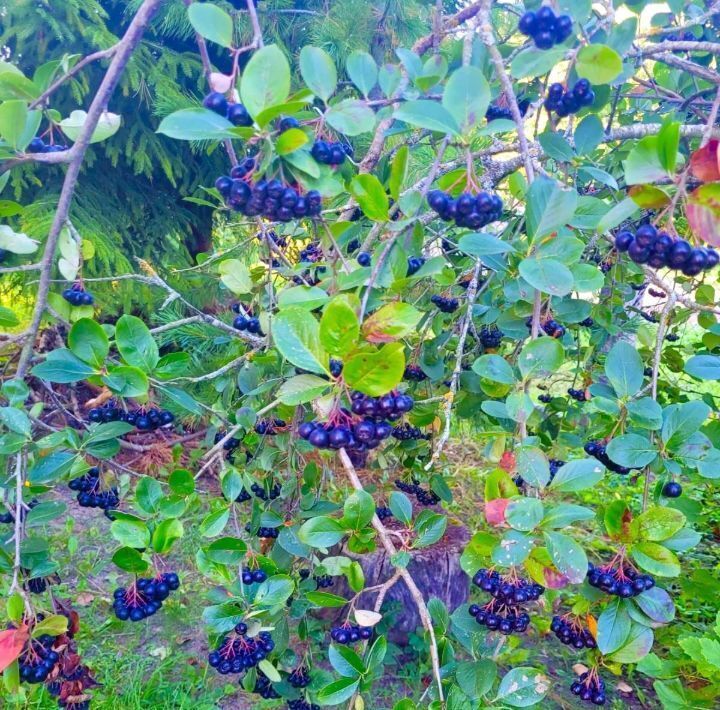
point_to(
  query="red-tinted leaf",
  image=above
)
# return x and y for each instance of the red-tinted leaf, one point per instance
(705, 162)
(495, 511)
(11, 645)
(507, 461)
(554, 579)
(648, 196)
(703, 213)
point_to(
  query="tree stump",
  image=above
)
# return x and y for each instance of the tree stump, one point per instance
(435, 569)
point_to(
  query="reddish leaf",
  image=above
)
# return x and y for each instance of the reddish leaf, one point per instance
(592, 625)
(507, 462)
(703, 212)
(705, 162)
(495, 511)
(648, 196)
(11, 645)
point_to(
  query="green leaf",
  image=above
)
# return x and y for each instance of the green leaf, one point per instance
(567, 556)
(326, 600)
(358, 510)
(636, 647)
(429, 528)
(126, 381)
(547, 275)
(668, 142)
(63, 367)
(587, 278)
(211, 22)
(476, 678)
(588, 134)
(338, 691)
(135, 343)
(534, 62)
(556, 146)
(296, 334)
(107, 126)
(321, 532)
(703, 367)
(339, 327)
(195, 124)
(290, 140)
(43, 513)
(307, 297)
(13, 116)
(130, 560)
(345, 661)
(642, 164)
(540, 358)
(165, 534)
(266, 80)
(371, 196)
(513, 549)
(632, 450)
(494, 368)
(522, 686)
(467, 96)
(524, 514)
(617, 215)
(479, 244)
(351, 117)
(131, 533)
(391, 322)
(680, 421)
(362, 70)
(656, 559)
(577, 475)
(532, 465)
(89, 342)
(549, 206)
(16, 420)
(302, 389)
(427, 114)
(51, 467)
(401, 507)
(274, 591)
(318, 71)
(657, 604)
(598, 63)
(613, 628)
(564, 514)
(8, 319)
(376, 373)
(214, 523)
(624, 368)
(227, 551)
(235, 275)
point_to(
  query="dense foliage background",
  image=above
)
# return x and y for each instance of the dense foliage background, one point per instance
(407, 370)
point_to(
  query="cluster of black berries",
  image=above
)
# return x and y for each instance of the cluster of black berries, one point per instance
(364, 259)
(302, 704)
(672, 337)
(263, 687)
(590, 688)
(38, 659)
(446, 305)
(267, 198)
(649, 317)
(89, 493)
(414, 264)
(322, 581)
(672, 489)
(383, 512)
(239, 653)
(415, 489)
(659, 250)
(622, 582)
(38, 145)
(599, 451)
(587, 323)
(76, 295)
(545, 398)
(545, 28)
(682, 37)
(503, 613)
(37, 585)
(253, 576)
(571, 101)
(245, 321)
(9, 516)
(490, 336)
(330, 153)
(263, 531)
(336, 367)
(577, 395)
(269, 427)
(551, 327)
(471, 211)
(414, 373)
(407, 432)
(300, 677)
(143, 419)
(230, 446)
(571, 633)
(312, 253)
(259, 491)
(350, 633)
(494, 112)
(144, 597)
(236, 113)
